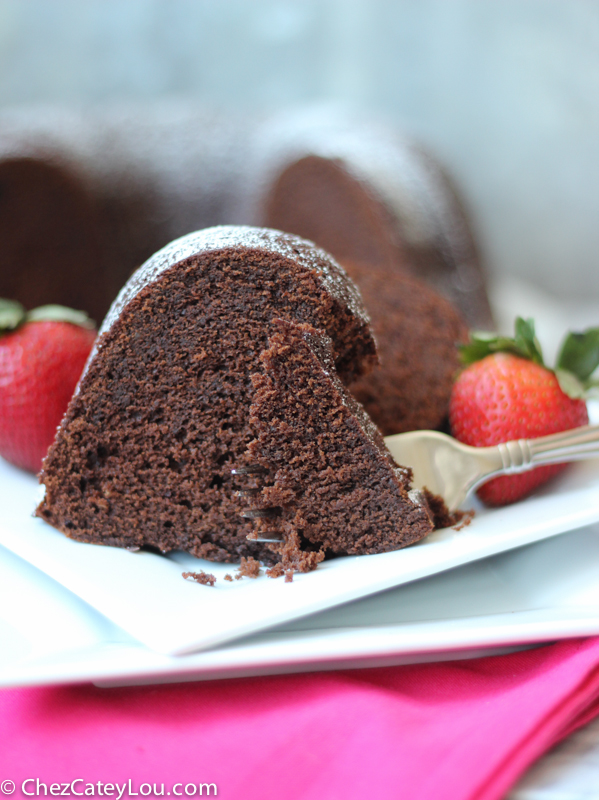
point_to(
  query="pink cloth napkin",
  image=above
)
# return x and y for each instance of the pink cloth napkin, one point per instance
(447, 731)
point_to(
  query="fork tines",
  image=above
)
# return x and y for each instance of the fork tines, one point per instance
(256, 513)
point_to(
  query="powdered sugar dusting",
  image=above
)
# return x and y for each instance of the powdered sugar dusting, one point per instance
(416, 497)
(409, 183)
(303, 252)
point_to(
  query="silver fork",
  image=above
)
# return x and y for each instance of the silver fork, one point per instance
(452, 469)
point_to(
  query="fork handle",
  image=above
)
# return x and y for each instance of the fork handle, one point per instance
(573, 445)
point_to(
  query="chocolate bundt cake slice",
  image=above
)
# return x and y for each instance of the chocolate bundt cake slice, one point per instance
(153, 450)
(326, 473)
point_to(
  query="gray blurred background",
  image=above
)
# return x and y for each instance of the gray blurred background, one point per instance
(504, 92)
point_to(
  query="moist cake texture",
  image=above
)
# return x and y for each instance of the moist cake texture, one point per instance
(327, 473)
(154, 444)
(86, 197)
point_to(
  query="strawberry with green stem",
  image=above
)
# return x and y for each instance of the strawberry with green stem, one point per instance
(42, 355)
(507, 392)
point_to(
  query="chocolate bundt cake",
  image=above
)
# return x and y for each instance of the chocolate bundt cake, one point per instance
(86, 196)
(157, 441)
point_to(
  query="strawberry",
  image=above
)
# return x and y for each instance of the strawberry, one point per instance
(42, 355)
(506, 392)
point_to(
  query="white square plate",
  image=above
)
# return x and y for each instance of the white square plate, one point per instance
(146, 596)
(545, 591)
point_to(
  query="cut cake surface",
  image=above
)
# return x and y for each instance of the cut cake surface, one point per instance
(328, 476)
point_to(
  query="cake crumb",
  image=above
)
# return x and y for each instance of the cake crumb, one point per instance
(442, 516)
(228, 577)
(275, 571)
(293, 558)
(465, 520)
(249, 568)
(205, 578)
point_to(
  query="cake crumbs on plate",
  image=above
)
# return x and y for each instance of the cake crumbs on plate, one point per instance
(249, 568)
(229, 577)
(465, 519)
(293, 558)
(442, 516)
(204, 578)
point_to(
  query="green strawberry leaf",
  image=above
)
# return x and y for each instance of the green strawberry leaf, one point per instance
(55, 313)
(12, 315)
(482, 344)
(570, 384)
(577, 361)
(579, 353)
(478, 347)
(526, 340)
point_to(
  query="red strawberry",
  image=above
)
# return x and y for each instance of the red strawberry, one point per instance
(42, 355)
(510, 394)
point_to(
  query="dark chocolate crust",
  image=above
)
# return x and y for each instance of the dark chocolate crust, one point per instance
(319, 195)
(146, 451)
(51, 232)
(328, 476)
